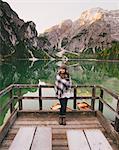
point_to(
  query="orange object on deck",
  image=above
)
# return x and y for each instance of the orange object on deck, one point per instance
(83, 106)
(58, 106)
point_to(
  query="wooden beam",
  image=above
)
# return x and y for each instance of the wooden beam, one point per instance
(75, 94)
(112, 109)
(7, 125)
(93, 97)
(20, 99)
(40, 96)
(6, 90)
(108, 127)
(26, 85)
(117, 119)
(6, 105)
(109, 92)
(46, 86)
(54, 98)
(55, 113)
(100, 103)
(12, 103)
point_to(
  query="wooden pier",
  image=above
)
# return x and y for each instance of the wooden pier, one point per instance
(76, 119)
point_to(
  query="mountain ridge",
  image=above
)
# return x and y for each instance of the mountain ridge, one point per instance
(95, 31)
(95, 20)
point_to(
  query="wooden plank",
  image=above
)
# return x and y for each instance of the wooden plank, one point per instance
(77, 140)
(55, 121)
(47, 114)
(97, 140)
(77, 118)
(30, 122)
(42, 139)
(23, 139)
(62, 127)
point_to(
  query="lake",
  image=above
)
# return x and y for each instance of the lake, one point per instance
(44, 71)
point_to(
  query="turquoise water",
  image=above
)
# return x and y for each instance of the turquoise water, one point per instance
(82, 72)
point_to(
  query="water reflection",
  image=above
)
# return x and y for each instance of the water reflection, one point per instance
(82, 72)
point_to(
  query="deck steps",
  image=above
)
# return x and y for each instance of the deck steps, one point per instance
(85, 122)
(11, 136)
(59, 142)
(4, 148)
(59, 136)
(59, 139)
(60, 148)
(6, 143)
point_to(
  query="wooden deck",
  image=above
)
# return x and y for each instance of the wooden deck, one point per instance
(75, 120)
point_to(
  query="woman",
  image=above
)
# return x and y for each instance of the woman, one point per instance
(62, 87)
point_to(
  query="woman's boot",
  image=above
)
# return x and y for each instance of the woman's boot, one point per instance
(64, 120)
(60, 120)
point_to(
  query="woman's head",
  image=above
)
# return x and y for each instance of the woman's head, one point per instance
(63, 71)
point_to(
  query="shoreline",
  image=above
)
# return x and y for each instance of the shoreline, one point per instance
(69, 59)
(98, 60)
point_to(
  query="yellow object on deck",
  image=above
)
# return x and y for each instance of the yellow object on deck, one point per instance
(58, 106)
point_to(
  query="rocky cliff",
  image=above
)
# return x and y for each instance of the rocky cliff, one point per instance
(15, 33)
(94, 30)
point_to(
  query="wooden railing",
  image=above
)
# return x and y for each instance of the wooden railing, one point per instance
(19, 98)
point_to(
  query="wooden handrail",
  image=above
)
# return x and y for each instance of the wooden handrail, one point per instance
(6, 105)
(77, 86)
(112, 109)
(6, 90)
(54, 98)
(47, 86)
(109, 92)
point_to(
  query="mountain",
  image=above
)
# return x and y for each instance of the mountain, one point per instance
(18, 39)
(95, 30)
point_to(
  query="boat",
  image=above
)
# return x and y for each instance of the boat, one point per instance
(83, 106)
(57, 106)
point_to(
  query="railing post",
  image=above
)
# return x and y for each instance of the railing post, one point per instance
(93, 98)
(12, 103)
(40, 100)
(116, 126)
(19, 99)
(75, 93)
(100, 103)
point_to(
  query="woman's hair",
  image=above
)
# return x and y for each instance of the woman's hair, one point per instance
(64, 75)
